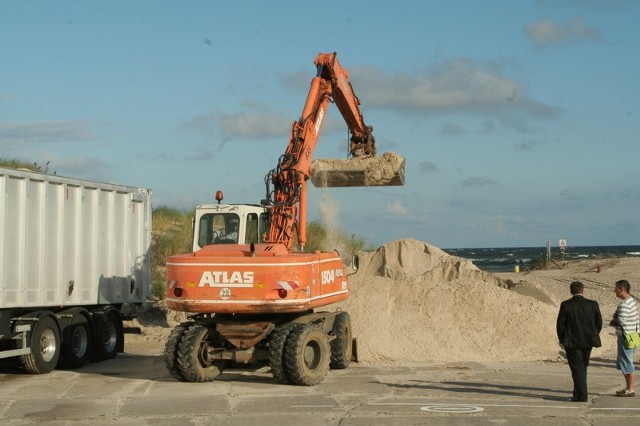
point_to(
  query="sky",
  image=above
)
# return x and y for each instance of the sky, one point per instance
(519, 120)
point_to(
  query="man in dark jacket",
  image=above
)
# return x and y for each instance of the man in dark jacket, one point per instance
(578, 327)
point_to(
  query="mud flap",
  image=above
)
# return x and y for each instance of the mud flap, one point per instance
(354, 350)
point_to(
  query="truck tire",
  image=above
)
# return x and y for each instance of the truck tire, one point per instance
(276, 352)
(45, 347)
(341, 345)
(171, 350)
(76, 344)
(191, 355)
(109, 337)
(307, 355)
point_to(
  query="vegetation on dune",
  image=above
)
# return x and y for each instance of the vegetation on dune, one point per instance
(322, 238)
(21, 164)
(171, 235)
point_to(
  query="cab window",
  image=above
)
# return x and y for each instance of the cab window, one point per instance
(264, 226)
(252, 232)
(218, 228)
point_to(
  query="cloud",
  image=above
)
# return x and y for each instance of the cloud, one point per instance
(630, 193)
(547, 32)
(472, 204)
(457, 85)
(88, 167)
(256, 121)
(200, 154)
(45, 132)
(428, 167)
(479, 181)
(298, 80)
(396, 207)
(527, 145)
(6, 96)
(569, 195)
(451, 129)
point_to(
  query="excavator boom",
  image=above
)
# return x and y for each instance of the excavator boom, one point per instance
(287, 200)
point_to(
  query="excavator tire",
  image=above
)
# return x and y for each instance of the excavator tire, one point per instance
(307, 355)
(171, 350)
(190, 355)
(341, 345)
(276, 353)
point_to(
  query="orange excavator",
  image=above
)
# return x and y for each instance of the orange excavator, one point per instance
(251, 296)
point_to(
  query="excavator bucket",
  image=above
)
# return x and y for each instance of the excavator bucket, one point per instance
(384, 170)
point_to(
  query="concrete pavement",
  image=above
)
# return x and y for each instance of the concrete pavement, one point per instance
(135, 388)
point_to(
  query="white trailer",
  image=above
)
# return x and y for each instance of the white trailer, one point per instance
(75, 256)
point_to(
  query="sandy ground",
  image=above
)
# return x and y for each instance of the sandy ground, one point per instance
(440, 342)
(412, 303)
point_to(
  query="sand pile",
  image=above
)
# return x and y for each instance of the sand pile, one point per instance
(412, 302)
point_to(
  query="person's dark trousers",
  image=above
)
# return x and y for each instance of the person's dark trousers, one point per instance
(578, 359)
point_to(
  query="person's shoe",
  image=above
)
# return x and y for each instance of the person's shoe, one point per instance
(625, 392)
(572, 399)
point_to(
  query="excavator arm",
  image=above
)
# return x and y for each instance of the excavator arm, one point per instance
(287, 199)
(362, 140)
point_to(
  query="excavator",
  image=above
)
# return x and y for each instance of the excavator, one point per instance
(251, 293)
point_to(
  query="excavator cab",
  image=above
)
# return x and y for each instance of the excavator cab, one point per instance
(229, 224)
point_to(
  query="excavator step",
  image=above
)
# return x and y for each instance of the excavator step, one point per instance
(384, 170)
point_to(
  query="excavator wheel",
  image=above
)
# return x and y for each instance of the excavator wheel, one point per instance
(171, 350)
(341, 345)
(191, 355)
(307, 355)
(276, 353)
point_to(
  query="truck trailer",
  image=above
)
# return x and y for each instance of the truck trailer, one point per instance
(75, 261)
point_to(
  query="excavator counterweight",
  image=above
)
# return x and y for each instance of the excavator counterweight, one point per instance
(384, 170)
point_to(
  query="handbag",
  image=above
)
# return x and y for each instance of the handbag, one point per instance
(632, 339)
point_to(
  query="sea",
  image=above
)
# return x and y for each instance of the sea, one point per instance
(506, 259)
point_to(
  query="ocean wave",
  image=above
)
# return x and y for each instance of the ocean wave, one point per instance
(506, 258)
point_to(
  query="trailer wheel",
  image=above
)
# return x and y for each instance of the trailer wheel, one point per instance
(307, 355)
(276, 353)
(191, 355)
(109, 337)
(45, 347)
(341, 346)
(171, 350)
(76, 344)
